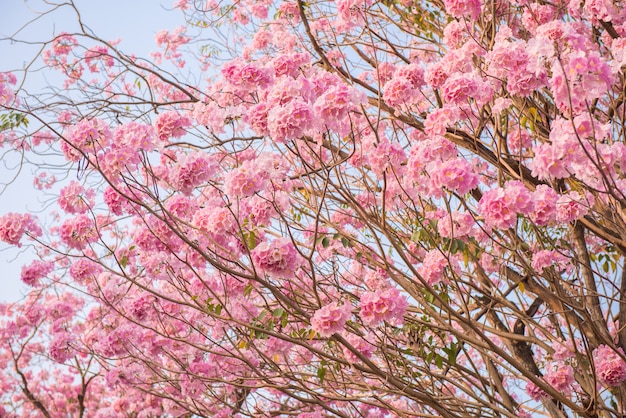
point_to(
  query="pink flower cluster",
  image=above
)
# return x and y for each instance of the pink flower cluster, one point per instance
(278, 258)
(14, 225)
(361, 345)
(404, 87)
(383, 305)
(500, 206)
(134, 136)
(246, 179)
(7, 95)
(78, 232)
(609, 365)
(334, 104)
(433, 266)
(290, 121)
(84, 269)
(463, 8)
(62, 45)
(73, 198)
(34, 271)
(115, 202)
(88, 136)
(192, 170)
(331, 319)
(60, 347)
(98, 54)
(247, 75)
(218, 222)
(561, 377)
(456, 175)
(460, 88)
(546, 258)
(171, 125)
(535, 392)
(170, 42)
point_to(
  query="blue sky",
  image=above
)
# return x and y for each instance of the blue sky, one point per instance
(135, 22)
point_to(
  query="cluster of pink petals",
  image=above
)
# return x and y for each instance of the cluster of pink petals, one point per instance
(34, 271)
(545, 258)
(171, 125)
(501, 205)
(191, 171)
(278, 258)
(383, 305)
(14, 225)
(74, 199)
(331, 319)
(78, 232)
(609, 365)
(7, 95)
(88, 136)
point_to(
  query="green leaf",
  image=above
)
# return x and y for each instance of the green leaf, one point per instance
(247, 290)
(438, 361)
(321, 373)
(325, 242)
(278, 312)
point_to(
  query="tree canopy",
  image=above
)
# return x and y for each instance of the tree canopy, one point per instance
(323, 208)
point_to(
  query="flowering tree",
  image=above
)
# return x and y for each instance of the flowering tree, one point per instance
(327, 208)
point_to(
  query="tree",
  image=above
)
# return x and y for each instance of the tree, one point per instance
(327, 208)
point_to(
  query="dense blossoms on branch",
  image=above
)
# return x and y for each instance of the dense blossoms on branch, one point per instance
(347, 208)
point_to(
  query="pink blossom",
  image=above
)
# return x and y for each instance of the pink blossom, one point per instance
(98, 54)
(361, 345)
(83, 269)
(210, 115)
(494, 206)
(455, 224)
(74, 199)
(546, 258)
(60, 347)
(134, 136)
(572, 206)
(78, 232)
(256, 117)
(456, 175)
(87, 136)
(278, 258)
(290, 64)
(34, 271)
(191, 171)
(334, 105)
(454, 34)
(387, 305)
(116, 203)
(609, 365)
(460, 88)
(247, 75)
(400, 91)
(245, 180)
(433, 266)
(439, 120)
(14, 225)
(330, 319)
(171, 125)
(561, 378)
(290, 121)
(7, 95)
(535, 392)
(463, 8)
